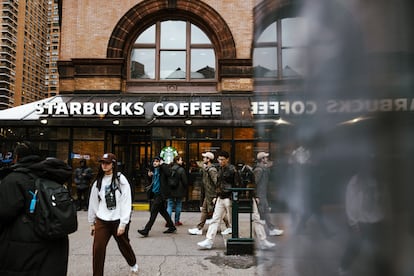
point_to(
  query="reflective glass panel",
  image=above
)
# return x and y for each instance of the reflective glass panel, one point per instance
(148, 36)
(293, 62)
(172, 65)
(293, 32)
(173, 35)
(143, 64)
(198, 36)
(265, 62)
(269, 34)
(203, 63)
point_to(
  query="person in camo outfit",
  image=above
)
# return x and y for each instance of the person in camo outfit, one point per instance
(208, 191)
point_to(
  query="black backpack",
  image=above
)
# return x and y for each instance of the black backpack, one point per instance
(173, 179)
(53, 209)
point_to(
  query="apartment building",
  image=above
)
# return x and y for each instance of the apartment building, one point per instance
(23, 52)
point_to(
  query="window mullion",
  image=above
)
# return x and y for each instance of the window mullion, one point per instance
(279, 49)
(157, 50)
(188, 51)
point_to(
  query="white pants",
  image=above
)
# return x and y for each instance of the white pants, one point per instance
(221, 209)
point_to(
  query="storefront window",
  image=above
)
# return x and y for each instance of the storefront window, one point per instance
(88, 133)
(243, 133)
(173, 50)
(58, 133)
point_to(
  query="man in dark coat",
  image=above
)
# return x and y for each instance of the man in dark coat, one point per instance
(175, 201)
(22, 252)
(159, 192)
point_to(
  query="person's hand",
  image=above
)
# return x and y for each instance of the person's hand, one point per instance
(121, 231)
(150, 173)
(201, 208)
(257, 200)
(92, 230)
(214, 200)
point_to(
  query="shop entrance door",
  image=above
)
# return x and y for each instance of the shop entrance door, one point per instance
(133, 152)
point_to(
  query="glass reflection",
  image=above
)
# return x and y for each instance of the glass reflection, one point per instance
(173, 35)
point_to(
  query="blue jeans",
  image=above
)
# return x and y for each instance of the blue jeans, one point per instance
(178, 203)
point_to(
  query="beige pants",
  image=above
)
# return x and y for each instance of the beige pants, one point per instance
(221, 209)
(258, 227)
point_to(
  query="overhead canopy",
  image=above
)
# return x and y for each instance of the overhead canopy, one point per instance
(133, 109)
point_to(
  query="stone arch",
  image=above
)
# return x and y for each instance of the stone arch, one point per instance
(146, 13)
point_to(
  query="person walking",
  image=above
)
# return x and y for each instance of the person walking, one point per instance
(208, 192)
(178, 187)
(109, 214)
(227, 178)
(259, 227)
(83, 177)
(159, 192)
(368, 210)
(22, 251)
(261, 176)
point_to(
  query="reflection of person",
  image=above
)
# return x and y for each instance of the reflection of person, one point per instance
(177, 193)
(110, 213)
(366, 206)
(83, 176)
(227, 178)
(261, 175)
(259, 227)
(208, 192)
(159, 193)
(312, 190)
(22, 252)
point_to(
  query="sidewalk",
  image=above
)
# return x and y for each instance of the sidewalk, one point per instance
(178, 253)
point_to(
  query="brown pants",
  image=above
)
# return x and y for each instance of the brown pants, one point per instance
(103, 232)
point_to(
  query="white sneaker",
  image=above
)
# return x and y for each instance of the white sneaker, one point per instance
(276, 232)
(227, 231)
(134, 270)
(195, 231)
(208, 221)
(265, 244)
(207, 244)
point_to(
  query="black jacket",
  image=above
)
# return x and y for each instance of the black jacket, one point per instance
(181, 190)
(22, 252)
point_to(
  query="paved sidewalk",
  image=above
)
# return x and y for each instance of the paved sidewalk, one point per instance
(178, 253)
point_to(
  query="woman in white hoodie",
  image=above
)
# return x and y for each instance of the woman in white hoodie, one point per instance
(109, 214)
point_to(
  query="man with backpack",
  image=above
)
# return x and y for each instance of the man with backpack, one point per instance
(22, 250)
(177, 182)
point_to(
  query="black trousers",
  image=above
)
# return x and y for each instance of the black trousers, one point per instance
(158, 205)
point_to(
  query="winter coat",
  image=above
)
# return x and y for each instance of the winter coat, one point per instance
(22, 252)
(181, 190)
(83, 181)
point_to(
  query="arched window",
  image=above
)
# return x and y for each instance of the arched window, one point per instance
(279, 50)
(172, 50)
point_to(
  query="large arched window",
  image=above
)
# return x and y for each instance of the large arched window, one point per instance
(279, 50)
(172, 50)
